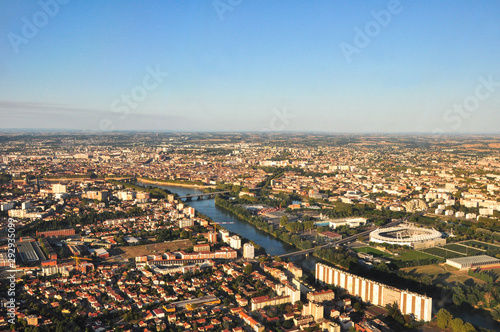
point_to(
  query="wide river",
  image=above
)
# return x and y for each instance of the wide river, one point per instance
(276, 247)
(241, 227)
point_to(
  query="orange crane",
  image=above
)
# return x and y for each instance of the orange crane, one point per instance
(215, 223)
(77, 259)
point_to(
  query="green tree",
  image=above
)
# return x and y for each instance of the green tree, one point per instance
(468, 327)
(283, 221)
(358, 307)
(248, 269)
(457, 325)
(443, 318)
(309, 224)
(5, 178)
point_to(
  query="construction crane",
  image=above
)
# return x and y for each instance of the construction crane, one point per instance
(221, 223)
(77, 259)
(172, 309)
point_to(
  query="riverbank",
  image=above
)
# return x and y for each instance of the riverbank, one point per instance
(173, 183)
(276, 247)
(247, 217)
(340, 260)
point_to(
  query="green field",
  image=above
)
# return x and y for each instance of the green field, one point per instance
(481, 245)
(452, 250)
(373, 251)
(415, 256)
(469, 251)
(408, 256)
(442, 253)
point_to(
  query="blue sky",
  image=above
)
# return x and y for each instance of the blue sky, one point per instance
(230, 65)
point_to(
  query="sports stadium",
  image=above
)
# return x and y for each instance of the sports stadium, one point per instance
(409, 235)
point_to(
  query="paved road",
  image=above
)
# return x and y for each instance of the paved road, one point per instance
(341, 242)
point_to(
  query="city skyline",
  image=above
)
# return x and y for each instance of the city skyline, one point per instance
(377, 67)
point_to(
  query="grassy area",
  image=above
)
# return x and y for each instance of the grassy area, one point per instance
(404, 257)
(373, 251)
(415, 256)
(432, 270)
(442, 253)
(481, 245)
(469, 251)
(441, 273)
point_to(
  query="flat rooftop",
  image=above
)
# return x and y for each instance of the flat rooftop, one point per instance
(474, 259)
(27, 252)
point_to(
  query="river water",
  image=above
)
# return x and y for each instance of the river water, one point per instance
(241, 227)
(276, 247)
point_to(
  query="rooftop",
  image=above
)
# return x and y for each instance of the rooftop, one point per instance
(474, 259)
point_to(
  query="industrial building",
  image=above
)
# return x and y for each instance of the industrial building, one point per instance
(30, 252)
(56, 233)
(350, 222)
(472, 262)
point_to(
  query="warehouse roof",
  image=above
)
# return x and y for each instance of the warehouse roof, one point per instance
(474, 259)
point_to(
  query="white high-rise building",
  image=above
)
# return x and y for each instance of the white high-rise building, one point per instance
(248, 251)
(26, 205)
(186, 223)
(235, 242)
(58, 188)
(225, 235)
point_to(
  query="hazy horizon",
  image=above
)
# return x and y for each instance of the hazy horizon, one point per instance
(251, 66)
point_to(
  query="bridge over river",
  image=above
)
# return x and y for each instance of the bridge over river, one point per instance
(201, 196)
(337, 243)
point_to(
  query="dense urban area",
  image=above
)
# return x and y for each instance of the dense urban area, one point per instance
(404, 230)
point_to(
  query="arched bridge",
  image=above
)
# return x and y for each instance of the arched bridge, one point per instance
(203, 196)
